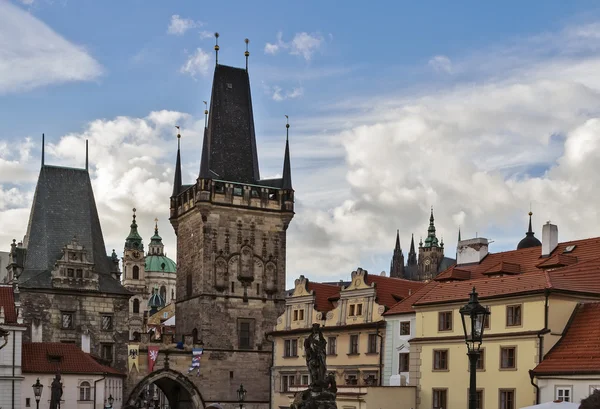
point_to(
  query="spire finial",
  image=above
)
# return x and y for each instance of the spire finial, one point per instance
(247, 53)
(287, 169)
(178, 136)
(530, 231)
(216, 48)
(205, 114)
(287, 127)
(43, 144)
(156, 225)
(86, 154)
(134, 210)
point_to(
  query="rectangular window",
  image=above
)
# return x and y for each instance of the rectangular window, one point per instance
(486, 321)
(405, 328)
(351, 312)
(359, 309)
(245, 333)
(107, 322)
(287, 381)
(70, 272)
(351, 379)
(564, 393)
(440, 399)
(480, 365)
(106, 352)
(478, 398)
(27, 402)
(403, 362)
(290, 348)
(331, 346)
(372, 349)
(67, 320)
(507, 358)
(301, 315)
(353, 344)
(513, 315)
(445, 321)
(304, 380)
(507, 399)
(440, 359)
(295, 315)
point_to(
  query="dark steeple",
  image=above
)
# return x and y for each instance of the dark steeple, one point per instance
(43, 146)
(459, 233)
(230, 141)
(134, 240)
(177, 178)
(529, 240)
(412, 254)
(287, 171)
(431, 240)
(397, 264)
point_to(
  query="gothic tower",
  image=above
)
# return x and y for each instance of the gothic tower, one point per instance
(397, 265)
(431, 253)
(231, 246)
(412, 254)
(134, 279)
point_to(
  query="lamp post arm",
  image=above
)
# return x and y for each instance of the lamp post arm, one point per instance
(473, 356)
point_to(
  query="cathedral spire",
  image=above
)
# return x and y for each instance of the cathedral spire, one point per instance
(412, 254)
(397, 264)
(398, 240)
(431, 239)
(287, 171)
(177, 178)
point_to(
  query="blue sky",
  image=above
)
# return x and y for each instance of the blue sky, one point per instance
(477, 109)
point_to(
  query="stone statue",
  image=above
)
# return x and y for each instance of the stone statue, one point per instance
(322, 391)
(56, 392)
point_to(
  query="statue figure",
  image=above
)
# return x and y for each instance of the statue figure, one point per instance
(314, 348)
(56, 392)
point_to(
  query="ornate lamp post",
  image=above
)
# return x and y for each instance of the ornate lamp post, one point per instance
(37, 391)
(241, 395)
(473, 317)
(110, 400)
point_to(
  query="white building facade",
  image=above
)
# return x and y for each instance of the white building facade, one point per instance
(399, 329)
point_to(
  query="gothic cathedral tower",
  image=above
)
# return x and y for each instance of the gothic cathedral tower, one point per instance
(397, 265)
(231, 245)
(431, 254)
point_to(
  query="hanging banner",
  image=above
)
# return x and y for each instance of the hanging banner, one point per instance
(152, 355)
(196, 355)
(134, 352)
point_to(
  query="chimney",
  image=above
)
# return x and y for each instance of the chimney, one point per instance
(549, 238)
(471, 250)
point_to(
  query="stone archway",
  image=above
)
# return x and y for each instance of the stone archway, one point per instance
(181, 393)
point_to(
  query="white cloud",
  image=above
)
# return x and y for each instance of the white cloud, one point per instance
(206, 34)
(27, 2)
(178, 25)
(278, 94)
(33, 55)
(441, 63)
(303, 44)
(197, 64)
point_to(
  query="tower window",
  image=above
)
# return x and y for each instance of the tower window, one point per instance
(257, 289)
(163, 293)
(237, 191)
(136, 273)
(232, 286)
(188, 285)
(136, 306)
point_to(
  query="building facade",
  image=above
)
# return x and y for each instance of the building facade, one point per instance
(352, 322)
(11, 341)
(429, 262)
(231, 246)
(68, 285)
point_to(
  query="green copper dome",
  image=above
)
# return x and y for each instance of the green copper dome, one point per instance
(160, 263)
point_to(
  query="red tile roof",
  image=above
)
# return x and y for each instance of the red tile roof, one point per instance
(7, 301)
(323, 292)
(38, 357)
(406, 306)
(390, 290)
(578, 351)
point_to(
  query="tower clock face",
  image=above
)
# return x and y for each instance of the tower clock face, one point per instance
(427, 262)
(136, 254)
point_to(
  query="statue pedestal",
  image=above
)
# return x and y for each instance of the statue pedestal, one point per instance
(309, 399)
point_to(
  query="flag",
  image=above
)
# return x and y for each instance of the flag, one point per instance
(196, 354)
(152, 355)
(134, 352)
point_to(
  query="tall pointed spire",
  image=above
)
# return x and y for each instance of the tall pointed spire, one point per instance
(204, 166)
(247, 53)
(431, 239)
(398, 240)
(287, 171)
(459, 239)
(216, 48)
(412, 254)
(529, 240)
(177, 178)
(43, 145)
(134, 240)
(86, 154)
(397, 264)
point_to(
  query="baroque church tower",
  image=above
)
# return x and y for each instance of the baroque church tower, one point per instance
(231, 244)
(134, 278)
(431, 253)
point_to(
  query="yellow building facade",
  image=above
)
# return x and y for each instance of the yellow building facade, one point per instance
(351, 319)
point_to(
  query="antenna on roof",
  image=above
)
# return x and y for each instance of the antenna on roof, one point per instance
(216, 48)
(247, 53)
(43, 137)
(86, 154)
(205, 114)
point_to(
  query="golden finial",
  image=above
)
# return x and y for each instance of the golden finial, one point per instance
(178, 134)
(287, 120)
(205, 114)
(216, 48)
(156, 223)
(247, 53)
(134, 210)
(530, 213)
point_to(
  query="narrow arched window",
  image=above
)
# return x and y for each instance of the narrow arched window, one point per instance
(136, 273)
(163, 293)
(136, 306)
(84, 391)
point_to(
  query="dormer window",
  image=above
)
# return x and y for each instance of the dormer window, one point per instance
(70, 272)
(79, 273)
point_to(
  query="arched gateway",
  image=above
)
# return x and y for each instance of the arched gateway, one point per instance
(181, 393)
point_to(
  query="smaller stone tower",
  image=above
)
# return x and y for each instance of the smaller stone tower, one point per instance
(134, 278)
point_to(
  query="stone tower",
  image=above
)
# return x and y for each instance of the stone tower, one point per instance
(134, 279)
(397, 265)
(431, 253)
(231, 247)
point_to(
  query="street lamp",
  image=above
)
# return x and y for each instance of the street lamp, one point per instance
(241, 395)
(111, 400)
(473, 317)
(37, 391)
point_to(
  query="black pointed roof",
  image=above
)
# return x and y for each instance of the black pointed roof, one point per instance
(287, 170)
(177, 177)
(529, 240)
(64, 207)
(232, 141)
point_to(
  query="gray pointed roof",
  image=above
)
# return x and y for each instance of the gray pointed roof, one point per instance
(64, 207)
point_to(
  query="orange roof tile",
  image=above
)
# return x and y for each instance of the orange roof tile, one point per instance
(323, 292)
(7, 301)
(578, 351)
(390, 290)
(37, 358)
(405, 306)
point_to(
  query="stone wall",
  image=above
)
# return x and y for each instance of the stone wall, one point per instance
(45, 310)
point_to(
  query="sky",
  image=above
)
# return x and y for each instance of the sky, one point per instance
(480, 110)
